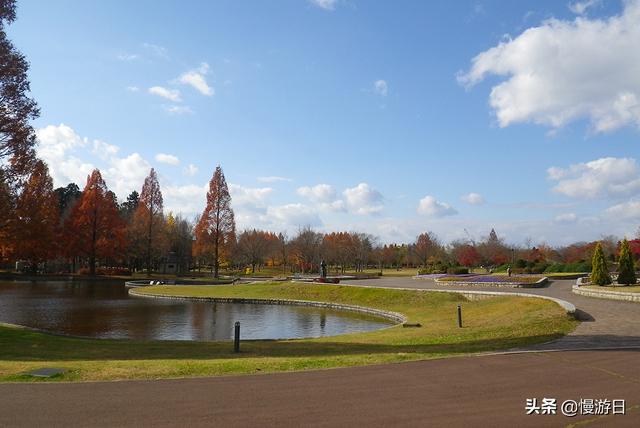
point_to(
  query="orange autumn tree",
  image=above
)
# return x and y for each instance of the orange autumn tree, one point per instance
(148, 218)
(94, 229)
(36, 230)
(216, 229)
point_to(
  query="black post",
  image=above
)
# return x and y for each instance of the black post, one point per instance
(236, 338)
(459, 316)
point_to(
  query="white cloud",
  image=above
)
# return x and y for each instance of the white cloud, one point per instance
(55, 143)
(251, 198)
(473, 198)
(196, 79)
(175, 110)
(325, 4)
(293, 215)
(128, 57)
(566, 218)
(431, 207)
(170, 94)
(168, 159)
(321, 193)
(605, 177)
(188, 199)
(629, 210)
(104, 150)
(562, 71)
(124, 175)
(363, 199)
(156, 50)
(380, 87)
(133, 89)
(272, 179)
(581, 7)
(190, 170)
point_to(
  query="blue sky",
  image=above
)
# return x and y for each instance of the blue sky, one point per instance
(372, 116)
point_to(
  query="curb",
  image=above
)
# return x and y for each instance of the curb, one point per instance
(396, 317)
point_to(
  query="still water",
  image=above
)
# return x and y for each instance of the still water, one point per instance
(105, 310)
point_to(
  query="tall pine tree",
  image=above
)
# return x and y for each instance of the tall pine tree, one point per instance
(95, 229)
(148, 218)
(626, 265)
(216, 229)
(599, 271)
(37, 228)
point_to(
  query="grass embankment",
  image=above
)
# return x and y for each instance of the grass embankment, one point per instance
(489, 324)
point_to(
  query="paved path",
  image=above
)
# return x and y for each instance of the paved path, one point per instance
(459, 392)
(606, 323)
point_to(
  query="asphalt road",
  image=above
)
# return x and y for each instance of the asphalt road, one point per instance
(489, 390)
(465, 392)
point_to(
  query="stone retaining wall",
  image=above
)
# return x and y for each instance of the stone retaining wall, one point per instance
(578, 288)
(537, 284)
(392, 316)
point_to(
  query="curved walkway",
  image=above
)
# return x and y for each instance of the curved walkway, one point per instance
(605, 323)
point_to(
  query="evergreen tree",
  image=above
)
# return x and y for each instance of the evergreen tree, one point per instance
(626, 266)
(599, 272)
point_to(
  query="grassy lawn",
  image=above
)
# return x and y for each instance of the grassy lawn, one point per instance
(489, 324)
(620, 288)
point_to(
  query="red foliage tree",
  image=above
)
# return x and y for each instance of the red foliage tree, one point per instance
(95, 229)
(467, 255)
(36, 230)
(216, 229)
(148, 217)
(634, 246)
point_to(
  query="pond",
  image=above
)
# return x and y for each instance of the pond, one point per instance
(105, 310)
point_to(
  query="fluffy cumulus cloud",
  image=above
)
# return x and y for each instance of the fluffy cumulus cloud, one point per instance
(168, 159)
(429, 206)
(318, 193)
(629, 210)
(605, 177)
(565, 70)
(57, 146)
(188, 199)
(380, 87)
(581, 7)
(293, 216)
(473, 198)
(253, 199)
(196, 79)
(169, 94)
(363, 199)
(325, 4)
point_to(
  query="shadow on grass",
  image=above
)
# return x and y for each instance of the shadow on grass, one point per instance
(29, 346)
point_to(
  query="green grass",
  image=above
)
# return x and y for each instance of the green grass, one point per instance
(489, 324)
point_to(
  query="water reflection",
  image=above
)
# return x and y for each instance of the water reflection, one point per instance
(105, 310)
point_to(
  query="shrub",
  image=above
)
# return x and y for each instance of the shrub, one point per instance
(626, 268)
(458, 270)
(599, 272)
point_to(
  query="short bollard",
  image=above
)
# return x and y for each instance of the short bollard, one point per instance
(459, 316)
(236, 338)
